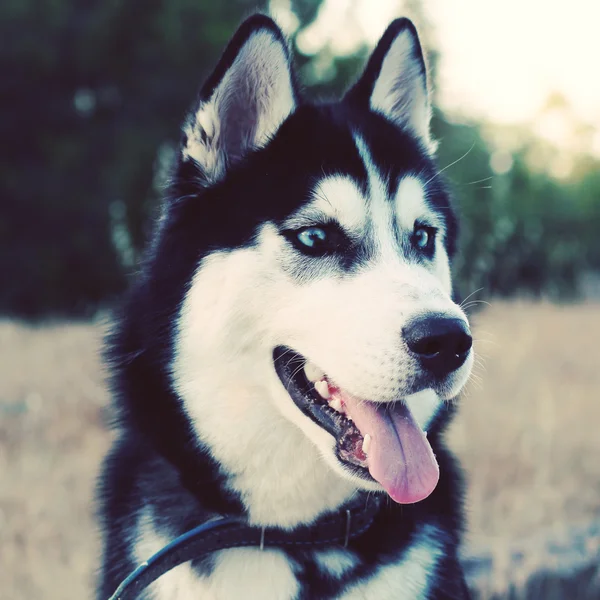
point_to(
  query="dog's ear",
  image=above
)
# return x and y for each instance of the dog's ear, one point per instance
(394, 82)
(245, 100)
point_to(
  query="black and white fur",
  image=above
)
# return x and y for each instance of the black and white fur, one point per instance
(206, 425)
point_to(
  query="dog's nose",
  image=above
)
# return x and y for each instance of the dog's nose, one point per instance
(441, 343)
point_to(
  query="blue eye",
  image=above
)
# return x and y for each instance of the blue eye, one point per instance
(312, 237)
(423, 237)
(317, 241)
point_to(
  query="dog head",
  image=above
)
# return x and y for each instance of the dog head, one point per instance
(310, 245)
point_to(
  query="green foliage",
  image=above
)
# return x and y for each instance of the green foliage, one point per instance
(89, 92)
(523, 231)
(92, 96)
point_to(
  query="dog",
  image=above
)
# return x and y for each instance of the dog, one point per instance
(291, 344)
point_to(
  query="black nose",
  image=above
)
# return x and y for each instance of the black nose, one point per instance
(441, 343)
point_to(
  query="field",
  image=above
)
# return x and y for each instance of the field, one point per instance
(527, 435)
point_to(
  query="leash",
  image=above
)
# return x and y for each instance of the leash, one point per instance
(231, 532)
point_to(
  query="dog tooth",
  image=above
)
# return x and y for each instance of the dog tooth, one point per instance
(336, 404)
(322, 388)
(366, 444)
(312, 372)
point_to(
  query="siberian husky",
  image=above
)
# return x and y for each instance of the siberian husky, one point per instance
(291, 345)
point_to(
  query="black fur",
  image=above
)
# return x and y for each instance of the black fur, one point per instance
(156, 460)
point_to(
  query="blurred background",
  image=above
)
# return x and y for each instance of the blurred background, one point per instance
(92, 96)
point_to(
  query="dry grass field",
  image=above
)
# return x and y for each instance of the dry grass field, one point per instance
(527, 434)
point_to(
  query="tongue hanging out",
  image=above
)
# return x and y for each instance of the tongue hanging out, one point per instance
(399, 456)
(381, 437)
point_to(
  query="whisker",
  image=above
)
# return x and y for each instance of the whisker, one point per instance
(476, 382)
(473, 303)
(491, 335)
(470, 302)
(282, 355)
(451, 164)
(294, 375)
(480, 365)
(181, 198)
(321, 195)
(471, 294)
(479, 180)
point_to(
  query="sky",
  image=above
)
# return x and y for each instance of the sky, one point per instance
(506, 57)
(499, 59)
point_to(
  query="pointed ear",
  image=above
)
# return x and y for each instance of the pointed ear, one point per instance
(243, 103)
(394, 82)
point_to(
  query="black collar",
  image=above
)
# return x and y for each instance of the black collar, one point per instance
(334, 529)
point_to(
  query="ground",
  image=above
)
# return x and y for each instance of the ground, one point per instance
(526, 433)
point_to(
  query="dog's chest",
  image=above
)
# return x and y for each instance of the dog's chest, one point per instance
(243, 573)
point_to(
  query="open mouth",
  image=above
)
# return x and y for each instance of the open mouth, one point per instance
(377, 441)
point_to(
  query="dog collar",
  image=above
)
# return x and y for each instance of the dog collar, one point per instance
(231, 532)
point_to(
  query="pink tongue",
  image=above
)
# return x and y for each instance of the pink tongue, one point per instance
(399, 456)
